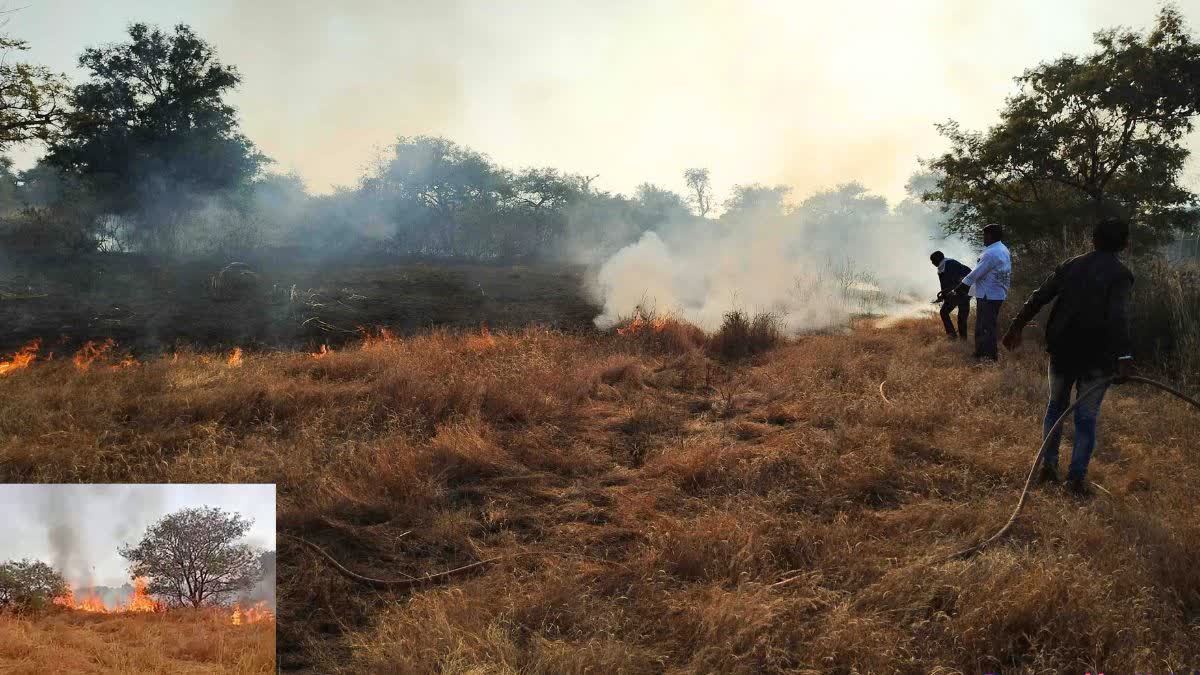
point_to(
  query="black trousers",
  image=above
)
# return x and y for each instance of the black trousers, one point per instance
(964, 315)
(987, 314)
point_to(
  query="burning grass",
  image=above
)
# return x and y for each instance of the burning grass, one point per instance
(650, 501)
(138, 602)
(175, 641)
(739, 336)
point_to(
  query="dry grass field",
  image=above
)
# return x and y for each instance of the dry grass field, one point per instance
(179, 641)
(649, 497)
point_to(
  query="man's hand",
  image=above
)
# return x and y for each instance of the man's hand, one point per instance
(1012, 339)
(1124, 370)
(941, 296)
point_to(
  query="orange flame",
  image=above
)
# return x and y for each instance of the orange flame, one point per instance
(322, 352)
(254, 614)
(641, 324)
(91, 351)
(21, 359)
(138, 602)
(235, 357)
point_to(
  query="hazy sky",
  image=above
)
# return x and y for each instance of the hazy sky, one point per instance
(94, 520)
(809, 94)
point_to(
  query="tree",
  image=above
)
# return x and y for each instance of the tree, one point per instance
(192, 556)
(701, 190)
(32, 98)
(28, 584)
(1085, 137)
(151, 129)
(755, 201)
(539, 202)
(654, 205)
(434, 191)
(841, 217)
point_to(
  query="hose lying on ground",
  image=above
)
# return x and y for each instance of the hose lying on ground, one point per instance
(1098, 387)
(411, 582)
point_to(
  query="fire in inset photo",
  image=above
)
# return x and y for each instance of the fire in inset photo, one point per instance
(137, 578)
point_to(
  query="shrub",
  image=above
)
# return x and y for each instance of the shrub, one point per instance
(741, 336)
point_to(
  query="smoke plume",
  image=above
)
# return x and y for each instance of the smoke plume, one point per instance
(814, 265)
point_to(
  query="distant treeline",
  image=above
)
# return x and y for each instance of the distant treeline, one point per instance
(147, 155)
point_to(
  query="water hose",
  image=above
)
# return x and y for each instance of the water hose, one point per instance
(1091, 391)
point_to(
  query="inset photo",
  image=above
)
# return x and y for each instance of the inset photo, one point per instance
(113, 578)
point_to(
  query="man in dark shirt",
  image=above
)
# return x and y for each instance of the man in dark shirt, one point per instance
(950, 274)
(1087, 337)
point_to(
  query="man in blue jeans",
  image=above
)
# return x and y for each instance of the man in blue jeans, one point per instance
(1087, 337)
(988, 282)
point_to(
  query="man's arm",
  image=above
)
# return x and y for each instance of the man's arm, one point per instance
(1118, 316)
(1037, 300)
(986, 262)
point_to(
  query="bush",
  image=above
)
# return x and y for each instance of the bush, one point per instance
(741, 336)
(29, 584)
(46, 230)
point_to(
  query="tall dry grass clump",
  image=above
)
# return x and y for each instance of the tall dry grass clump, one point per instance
(660, 332)
(741, 335)
(1165, 318)
(648, 515)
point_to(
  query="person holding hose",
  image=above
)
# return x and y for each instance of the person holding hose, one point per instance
(950, 275)
(1087, 337)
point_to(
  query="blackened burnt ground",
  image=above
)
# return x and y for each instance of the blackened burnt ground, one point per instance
(288, 299)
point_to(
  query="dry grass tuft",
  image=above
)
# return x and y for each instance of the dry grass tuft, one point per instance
(741, 335)
(656, 496)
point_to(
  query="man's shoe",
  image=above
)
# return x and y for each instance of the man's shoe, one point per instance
(1078, 486)
(1049, 474)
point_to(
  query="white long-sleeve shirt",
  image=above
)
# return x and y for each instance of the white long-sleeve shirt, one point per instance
(992, 274)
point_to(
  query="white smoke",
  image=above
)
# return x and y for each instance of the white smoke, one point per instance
(836, 254)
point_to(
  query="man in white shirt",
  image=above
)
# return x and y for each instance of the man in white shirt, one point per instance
(988, 283)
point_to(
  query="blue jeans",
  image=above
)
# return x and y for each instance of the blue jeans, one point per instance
(987, 312)
(1086, 415)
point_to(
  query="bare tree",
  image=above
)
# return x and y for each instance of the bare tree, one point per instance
(192, 557)
(701, 190)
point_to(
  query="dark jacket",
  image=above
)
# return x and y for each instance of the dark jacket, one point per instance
(952, 274)
(1088, 325)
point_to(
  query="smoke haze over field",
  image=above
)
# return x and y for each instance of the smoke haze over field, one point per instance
(810, 94)
(836, 253)
(78, 528)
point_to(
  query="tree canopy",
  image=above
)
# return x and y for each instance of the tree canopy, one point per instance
(194, 557)
(1086, 136)
(26, 584)
(151, 129)
(32, 98)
